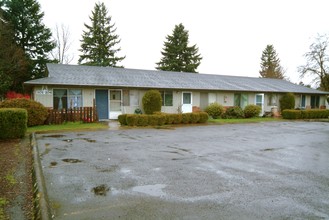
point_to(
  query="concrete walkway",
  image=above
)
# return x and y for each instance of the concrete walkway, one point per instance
(256, 171)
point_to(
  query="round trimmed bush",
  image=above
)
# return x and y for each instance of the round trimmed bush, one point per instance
(214, 110)
(195, 117)
(234, 112)
(186, 118)
(203, 117)
(152, 102)
(13, 123)
(122, 119)
(251, 111)
(287, 101)
(36, 112)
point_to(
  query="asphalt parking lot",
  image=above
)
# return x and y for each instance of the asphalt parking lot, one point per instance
(277, 170)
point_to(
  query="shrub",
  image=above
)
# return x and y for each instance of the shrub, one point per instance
(161, 120)
(14, 95)
(177, 118)
(203, 117)
(158, 119)
(305, 114)
(142, 120)
(287, 101)
(170, 118)
(195, 118)
(215, 110)
(131, 120)
(153, 120)
(36, 112)
(186, 118)
(152, 102)
(13, 123)
(251, 111)
(233, 112)
(291, 114)
(122, 119)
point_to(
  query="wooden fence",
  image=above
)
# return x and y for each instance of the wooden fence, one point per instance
(84, 114)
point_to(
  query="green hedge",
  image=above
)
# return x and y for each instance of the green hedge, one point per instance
(159, 119)
(305, 114)
(13, 123)
(36, 112)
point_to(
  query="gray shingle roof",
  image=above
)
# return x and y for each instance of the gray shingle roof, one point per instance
(75, 75)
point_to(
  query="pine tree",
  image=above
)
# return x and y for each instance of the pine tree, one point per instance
(270, 64)
(13, 63)
(177, 55)
(30, 33)
(99, 41)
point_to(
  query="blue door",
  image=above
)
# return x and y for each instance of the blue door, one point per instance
(102, 104)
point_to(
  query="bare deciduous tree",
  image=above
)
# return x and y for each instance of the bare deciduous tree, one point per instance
(317, 62)
(63, 44)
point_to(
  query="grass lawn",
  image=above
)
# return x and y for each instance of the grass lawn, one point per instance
(243, 120)
(69, 126)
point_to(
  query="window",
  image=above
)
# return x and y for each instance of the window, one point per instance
(241, 100)
(315, 101)
(75, 98)
(67, 98)
(272, 100)
(60, 98)
(167, 98)
(303, 102)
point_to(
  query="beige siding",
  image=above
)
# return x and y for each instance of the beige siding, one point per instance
(88, 96)
(227, 99)
(135, 96)
(196, 99)
(45, 99)
(252, 98)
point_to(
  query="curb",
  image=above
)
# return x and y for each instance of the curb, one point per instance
(42, 196)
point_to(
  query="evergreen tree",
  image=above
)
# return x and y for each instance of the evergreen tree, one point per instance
(13, 63)
(177, 55)
(270, 64)
(30, 33)
(99, 41)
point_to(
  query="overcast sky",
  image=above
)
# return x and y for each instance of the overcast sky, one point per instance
(231, 35)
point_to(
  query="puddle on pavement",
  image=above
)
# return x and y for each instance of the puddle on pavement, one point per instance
(180, 149)
(89, 140)
(270, 149)
(47, 150)
(109, 170)
(71, 160)
(53, 164)
(100, 190)
(178, 158)
(152, 190)
(68, 140)
(54, 136)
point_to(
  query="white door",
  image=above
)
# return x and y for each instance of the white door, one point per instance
(259, 100)
(115, 103)
(187, 102)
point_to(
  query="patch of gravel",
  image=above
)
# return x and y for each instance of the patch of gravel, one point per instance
(16, 161)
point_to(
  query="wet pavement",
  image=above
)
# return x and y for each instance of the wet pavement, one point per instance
(274, 170)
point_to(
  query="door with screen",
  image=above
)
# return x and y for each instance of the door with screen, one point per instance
(115, 103)
(187, 102)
